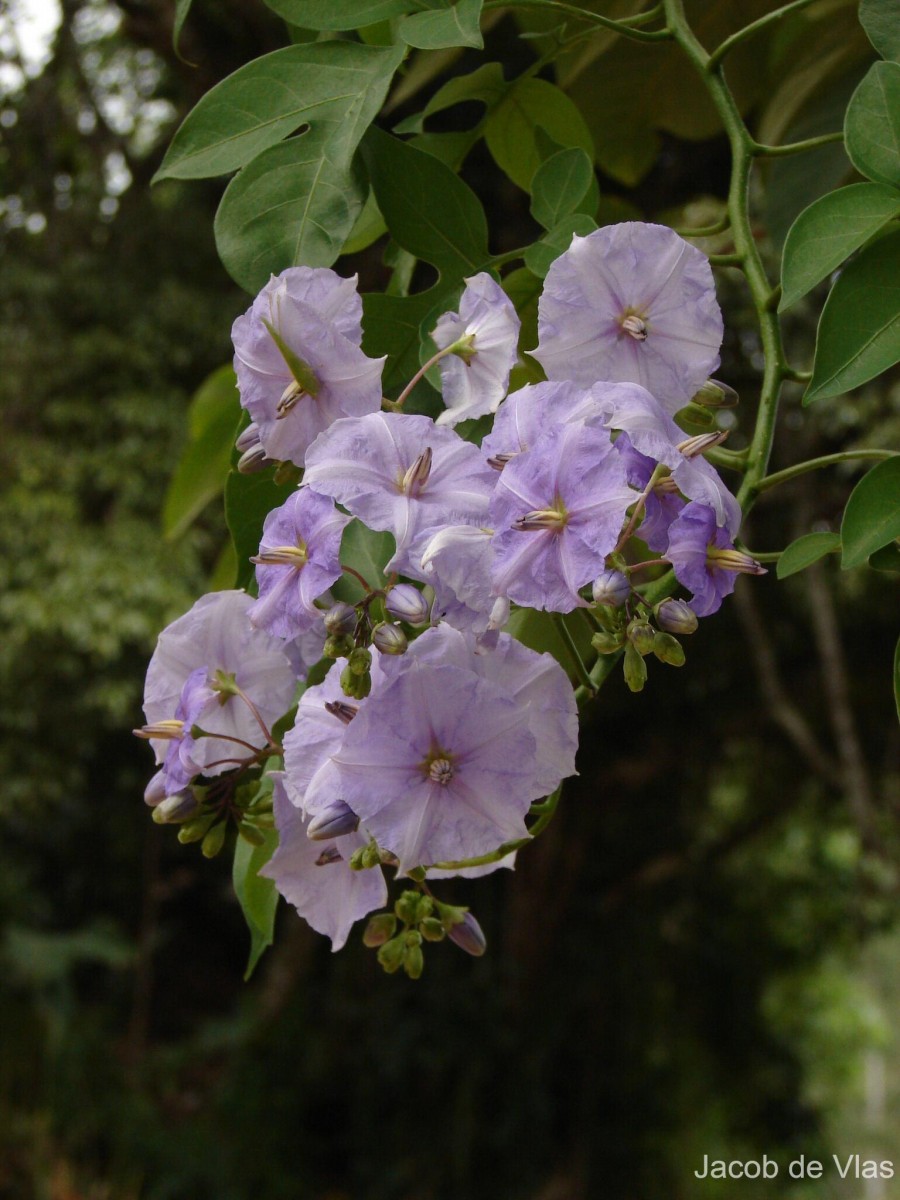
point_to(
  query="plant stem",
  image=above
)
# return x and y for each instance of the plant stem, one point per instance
(753, 28)
(577, 661)
(824, 139)
(814, 464)
(583, 14)
(397, 405)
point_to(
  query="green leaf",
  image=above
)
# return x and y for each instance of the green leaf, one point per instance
(486, 84)
(510, 127)
(540, 256)
(559, 185)
(452, 25)
(881, 21)
(391, 326)
(872, 516)
(340, 15)
(829, 231)
(428, 209)
(367, 552)
(859, 330)
(292, 206)
(182, 8)
(872, 127)
(886, 559)
(538, 630)
(897, 678)
(257, 896)
(203, 467)
(248, 501)
(806, 550)
(369, 227)
(334, 87)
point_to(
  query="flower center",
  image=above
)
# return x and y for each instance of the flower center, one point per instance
(289, 399)
(413, 482)
(440, 770)
(634, 325)
(555, 518)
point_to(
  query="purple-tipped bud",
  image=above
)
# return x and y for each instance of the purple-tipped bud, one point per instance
(155, 791)
(175, 809)
(333, 822)
(340, 619)
(676, 616)
(469, 936)
(390, 639)
(247, 439)
(610, 587)
(715, 394)
(254, 460)
(406, 603)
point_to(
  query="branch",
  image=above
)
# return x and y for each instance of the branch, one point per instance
(752, 29)
(813, 143)
(583, 14)
(814, 464)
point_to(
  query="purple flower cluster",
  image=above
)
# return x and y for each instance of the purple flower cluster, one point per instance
(425, 750)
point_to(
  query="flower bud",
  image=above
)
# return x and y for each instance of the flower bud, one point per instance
(355, 686)
(248, 438)
(379, 930)
(607, 643)
(196, 828)
(155, 791)
(468, 935)
(389, 639)
(668, 650)
(392, 954)
(413, 907)
(612, 588)
(340, 619)
(432, 930)
(175, 808)
(214, 840)
(640, 634)
(715, 394)
(676, 616)
(360, 660)
(253, 460)
(406, 603)
(635, 669)
(414, 962)
(337, 647)
(333, 822)
(696, 414)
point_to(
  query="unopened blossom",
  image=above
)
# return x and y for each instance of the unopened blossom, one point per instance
(631, 302)
(441, 767)
(316, 877)
(311, 317)
(653, 433)
(557, 511)
(704, 558)
(216, 635)
(535, 408)
(298, 561)
(403, 474)
(475, 377)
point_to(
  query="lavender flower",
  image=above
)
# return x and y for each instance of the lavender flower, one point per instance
(558, 511)
(442, 767)
(534, 409)
(704, 558)
(663, 502)
(403, 474)
(197, 699)
(631, 302)
(298, 561)
(298, 360)
(217, 635)
(316, 877)
(653, 433)
(475, 377)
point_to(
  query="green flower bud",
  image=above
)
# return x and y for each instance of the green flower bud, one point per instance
(337, 646)
(195, 829)
(379, 929)
(389, 639)
(607, 643)
(640, 634)
(340, 620)
(715, 394)
(175, 808)
(360, 661)
(413, 907)
(214, 840)
(414, 962)
(357, 686)
(432, 930)
(251, 834)
(392, 954)
(668, 650)
(635, 669)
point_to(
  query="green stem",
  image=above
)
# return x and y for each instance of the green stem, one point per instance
(574, 654)
(726, 260)
(745, 245)
(753, 28)
(814, 464)
(583, 14)
(813, 143)
(731, 460)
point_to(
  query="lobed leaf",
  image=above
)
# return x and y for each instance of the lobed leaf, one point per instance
(292, 205)
(872, 516)
(334, 87)
(805, 551)
(872, 126)
(829, 231)
(859, 330)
